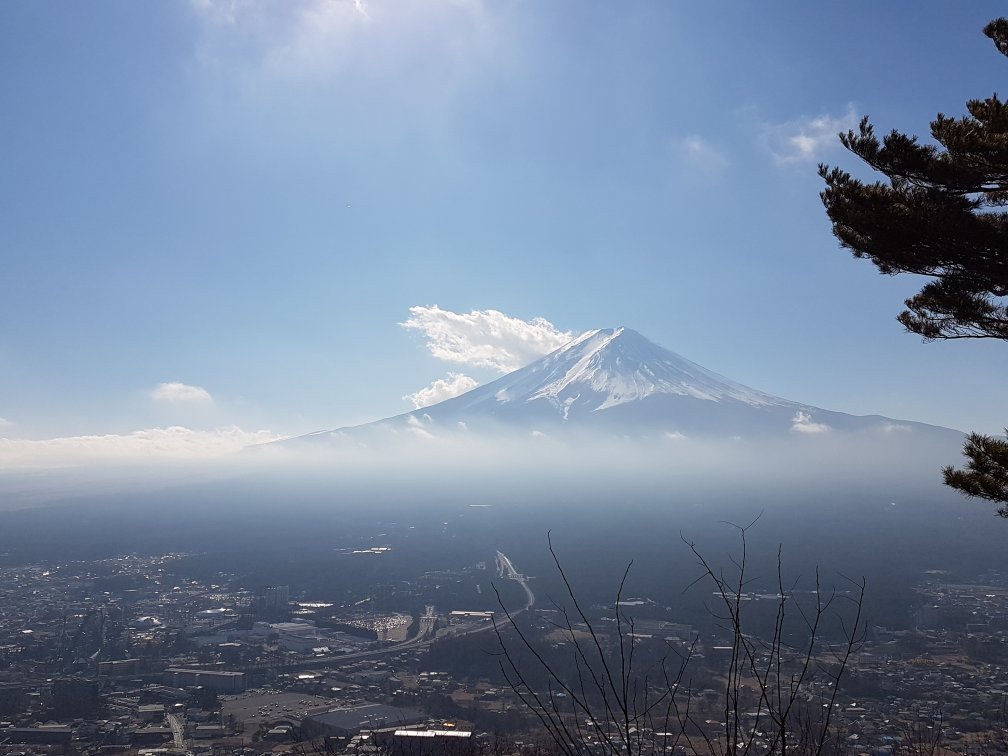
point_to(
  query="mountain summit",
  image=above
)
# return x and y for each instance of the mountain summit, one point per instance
(618, 381)
(609, 367)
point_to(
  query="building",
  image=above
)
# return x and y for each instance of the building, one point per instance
(75, 697)
(42, 735)
(462, 617)
(151, 736)
(404, 742)
(210, 732)
(119, 667)
(13, 698)
(276, 600)
(151, 712)
(349, 720)
(221, 682)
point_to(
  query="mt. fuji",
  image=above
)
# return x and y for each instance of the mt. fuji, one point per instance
(617, 381)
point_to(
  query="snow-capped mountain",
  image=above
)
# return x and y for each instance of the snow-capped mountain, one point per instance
(606, 368)
(618, 381)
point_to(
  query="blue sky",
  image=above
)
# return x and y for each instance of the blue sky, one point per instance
(247, 198)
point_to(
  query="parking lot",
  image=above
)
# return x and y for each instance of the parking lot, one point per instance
(256, 706)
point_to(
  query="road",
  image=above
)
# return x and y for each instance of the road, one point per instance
(505, 569)
(178, 730)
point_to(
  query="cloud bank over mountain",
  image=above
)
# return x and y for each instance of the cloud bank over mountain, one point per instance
(441, 389)
(607, 408)
(172, 443)
(485, 338)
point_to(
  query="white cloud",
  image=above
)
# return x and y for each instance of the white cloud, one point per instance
(441, 389)
(485, 338)
(151, 444)
(674, 436)
(701, 155)
(176, 391)
(895, 428)
(5, 423)
(803, 423)
(416, 427)
(806, 140)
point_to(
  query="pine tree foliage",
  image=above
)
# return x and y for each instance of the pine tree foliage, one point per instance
(986, 475)
(941, 212)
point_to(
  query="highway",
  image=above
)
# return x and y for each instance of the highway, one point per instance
(505, 569)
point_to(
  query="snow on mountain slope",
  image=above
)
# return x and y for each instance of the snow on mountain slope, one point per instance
(617, 366)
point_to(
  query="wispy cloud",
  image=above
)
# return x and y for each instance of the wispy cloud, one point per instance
(279, 76)
(178, 392)
(702, 156)
(5, 423)
(309, 38)
(485, 338)
(804, 423)
(221, 11)
(441, 389)
(151, 444)
(257, 16)
(807, 139)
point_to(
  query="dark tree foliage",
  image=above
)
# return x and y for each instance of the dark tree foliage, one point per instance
(940, 213)
(986, 475)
